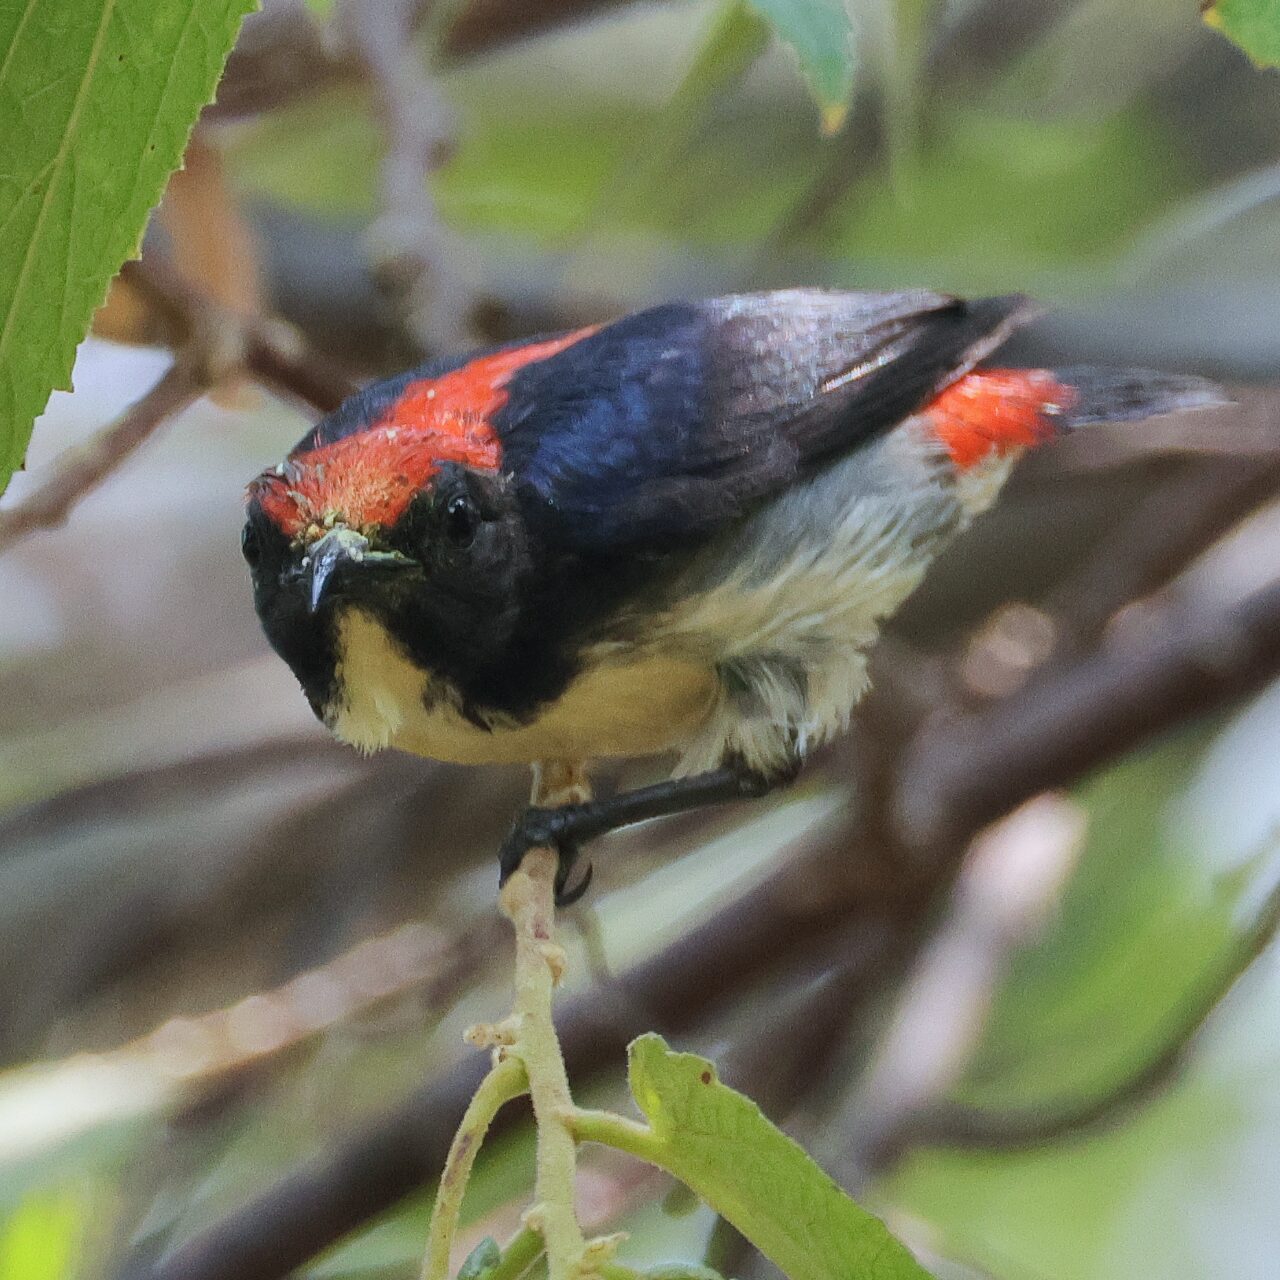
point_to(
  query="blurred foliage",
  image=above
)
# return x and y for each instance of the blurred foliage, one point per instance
(1253, 24)
(999, 197)
(40, 1239)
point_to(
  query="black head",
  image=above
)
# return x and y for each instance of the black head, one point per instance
(443, 578)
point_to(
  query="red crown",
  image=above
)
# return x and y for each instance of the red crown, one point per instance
(369, 477)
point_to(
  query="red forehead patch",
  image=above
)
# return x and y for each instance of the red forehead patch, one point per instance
(997, 410)
(369, 477)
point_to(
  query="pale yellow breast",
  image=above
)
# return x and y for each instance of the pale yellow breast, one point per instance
(614, 708)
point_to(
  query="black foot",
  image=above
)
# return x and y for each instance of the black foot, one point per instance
(566, 830)
(549, 829)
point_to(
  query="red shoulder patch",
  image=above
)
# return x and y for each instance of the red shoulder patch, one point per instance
(995, 411)
(369, 477)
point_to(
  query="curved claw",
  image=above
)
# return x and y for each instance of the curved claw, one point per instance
(544, 828)
(566, 897)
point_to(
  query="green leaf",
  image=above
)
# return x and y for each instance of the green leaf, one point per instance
(821, 34)
(41, 1240)
(1253, 24)
(724, 1148)
(97, 99)
(481, 1261)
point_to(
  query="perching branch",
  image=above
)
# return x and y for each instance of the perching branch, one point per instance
(528, 901)
(528, 1037)
(391, 1155)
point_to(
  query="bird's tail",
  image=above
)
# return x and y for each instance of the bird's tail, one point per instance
(992, 412)
(1130, 395)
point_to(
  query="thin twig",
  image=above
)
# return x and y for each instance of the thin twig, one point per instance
(215, 344)
(270, 351)
(390, 1155)
(82, 468)
(506, 1080)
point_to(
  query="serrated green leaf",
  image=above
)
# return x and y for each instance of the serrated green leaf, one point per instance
(97, 99)
(1252, 24)
(821, 34)
(721, 1145)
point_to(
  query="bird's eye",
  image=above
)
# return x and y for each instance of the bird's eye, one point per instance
(461, 519)
(251, 546)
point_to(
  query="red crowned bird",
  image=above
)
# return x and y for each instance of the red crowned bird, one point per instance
(679, 532)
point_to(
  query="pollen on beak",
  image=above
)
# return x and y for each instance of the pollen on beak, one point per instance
(341, 546)
(324, 556)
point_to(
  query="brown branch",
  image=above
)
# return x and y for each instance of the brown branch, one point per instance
(416, 257)
(280, 359)
(80, 469)
(214, 344)
(269, 351)
(284, 55)
(484, 25)
(1168, 530)
(961, 775)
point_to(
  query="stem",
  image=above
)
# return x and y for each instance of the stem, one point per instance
(505, 1081)
(528, 901)
(616, 1131)
(522, 1251)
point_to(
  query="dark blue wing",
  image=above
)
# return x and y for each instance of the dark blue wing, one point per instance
(672, 422)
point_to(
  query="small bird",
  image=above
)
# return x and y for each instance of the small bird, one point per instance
(679, 532)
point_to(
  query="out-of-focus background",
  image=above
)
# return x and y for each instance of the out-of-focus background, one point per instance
(227, 946)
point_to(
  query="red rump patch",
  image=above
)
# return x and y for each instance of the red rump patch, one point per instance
(369, 477)
(995, 411)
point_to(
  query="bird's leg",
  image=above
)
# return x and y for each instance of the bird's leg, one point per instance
(565, 829)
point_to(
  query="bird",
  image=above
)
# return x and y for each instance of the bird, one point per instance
(678, 533)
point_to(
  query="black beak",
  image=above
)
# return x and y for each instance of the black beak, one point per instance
(340, 546)
(326, 555)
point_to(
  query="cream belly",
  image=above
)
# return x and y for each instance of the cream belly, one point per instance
(614, 708)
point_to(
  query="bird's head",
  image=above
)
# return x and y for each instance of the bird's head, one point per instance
(396, 507)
